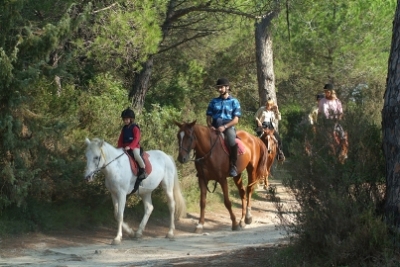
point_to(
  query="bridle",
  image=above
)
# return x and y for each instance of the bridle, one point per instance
(269, 137)
(200, 160)
(98, 169)
(191, 139)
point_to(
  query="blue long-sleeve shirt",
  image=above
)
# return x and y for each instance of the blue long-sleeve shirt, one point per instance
(224, 109)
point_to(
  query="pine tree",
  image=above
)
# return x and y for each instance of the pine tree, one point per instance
(30, 47)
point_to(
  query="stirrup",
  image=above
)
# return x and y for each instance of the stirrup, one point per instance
(141, 174)
(281, 157)
(137, 184)
(233, 171)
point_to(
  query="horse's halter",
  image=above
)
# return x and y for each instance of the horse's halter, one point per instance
(199, 160)
(98, 169)
(191, 139)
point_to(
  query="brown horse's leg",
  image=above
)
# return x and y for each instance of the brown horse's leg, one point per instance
(242, 193)
(266, 181)
(203, 197)
(249, 193)
(228, 204)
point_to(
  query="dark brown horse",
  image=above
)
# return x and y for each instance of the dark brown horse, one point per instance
(267, 136)
(338, 145)
(212, 163)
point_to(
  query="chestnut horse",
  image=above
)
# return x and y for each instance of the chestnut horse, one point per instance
(212, 163)
(267, 136)
(338, 147)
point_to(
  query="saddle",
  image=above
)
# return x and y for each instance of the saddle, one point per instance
(241, 147)
(135, 166)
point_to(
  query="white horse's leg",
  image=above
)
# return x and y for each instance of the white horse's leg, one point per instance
(148, 209)
(119, 206)
(128, 229)
(171, 207)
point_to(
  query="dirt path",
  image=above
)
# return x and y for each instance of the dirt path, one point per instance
(187, 249)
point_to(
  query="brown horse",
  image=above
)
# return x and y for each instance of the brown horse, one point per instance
(212, 163)
(267, 136)
(338, 147)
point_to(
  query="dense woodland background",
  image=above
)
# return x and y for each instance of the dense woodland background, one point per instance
(68, 69)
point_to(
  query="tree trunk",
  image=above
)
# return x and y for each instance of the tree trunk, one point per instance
(391, 128)
(264, 59)
(141, 85)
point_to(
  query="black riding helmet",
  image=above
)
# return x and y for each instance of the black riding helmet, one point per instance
(128, 113)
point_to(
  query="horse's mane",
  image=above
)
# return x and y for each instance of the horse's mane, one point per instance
(97, 142)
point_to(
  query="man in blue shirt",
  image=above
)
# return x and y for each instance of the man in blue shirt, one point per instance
(223, 114)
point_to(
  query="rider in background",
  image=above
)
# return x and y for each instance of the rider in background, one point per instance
(331, 110)
(267, 116)
(129, 139)
(223, 114)
(313, 116)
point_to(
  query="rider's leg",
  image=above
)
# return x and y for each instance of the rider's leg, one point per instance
(340, 130)
(142, 173)
(130, 153)
(230, 136)
(280, 156)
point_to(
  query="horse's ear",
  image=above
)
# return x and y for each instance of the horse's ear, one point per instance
(87, 141)
(178, 124)
(101, 142)
(193, 123)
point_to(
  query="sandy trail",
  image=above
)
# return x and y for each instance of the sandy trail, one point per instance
(153, 249)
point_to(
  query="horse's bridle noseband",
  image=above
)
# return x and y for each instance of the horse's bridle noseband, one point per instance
(191, 139)
(200, 160)
(98, 169)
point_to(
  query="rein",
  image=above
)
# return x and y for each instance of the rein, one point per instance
(105, 165)
(200, 160)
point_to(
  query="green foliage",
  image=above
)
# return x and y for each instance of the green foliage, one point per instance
(339, 217)
(24, 54)
(340, 42)
(158, 128)
(129, 31)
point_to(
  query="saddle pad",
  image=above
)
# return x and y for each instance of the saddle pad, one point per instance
(135, 166)
(241, 147)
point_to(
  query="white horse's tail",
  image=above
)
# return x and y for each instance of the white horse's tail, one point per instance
(180, 204)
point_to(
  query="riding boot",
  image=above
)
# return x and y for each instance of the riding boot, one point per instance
(142, 174)
(140, 177)
(232, 160)
(281, 156)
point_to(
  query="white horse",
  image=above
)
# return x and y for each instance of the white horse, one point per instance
(120, 180)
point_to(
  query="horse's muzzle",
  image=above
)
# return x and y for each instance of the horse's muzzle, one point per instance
(89, 177)
(183, 159)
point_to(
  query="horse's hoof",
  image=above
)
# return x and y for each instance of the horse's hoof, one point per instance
(248, 220)
(116, 242)
(132, 234)
(137, 235)
(199, 229)
(170, 236)
(236, 227)
(242, 225)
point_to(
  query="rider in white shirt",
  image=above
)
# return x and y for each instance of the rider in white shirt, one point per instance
(267, 116)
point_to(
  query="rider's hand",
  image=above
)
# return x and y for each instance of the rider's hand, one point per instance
(127, 148)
